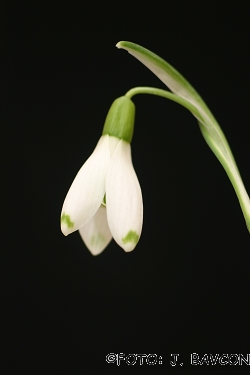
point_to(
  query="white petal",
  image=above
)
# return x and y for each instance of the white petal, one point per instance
(123, 198)
(96, 234)
(87, 190)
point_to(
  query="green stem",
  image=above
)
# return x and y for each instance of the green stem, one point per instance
(165, 94)
(228, 163)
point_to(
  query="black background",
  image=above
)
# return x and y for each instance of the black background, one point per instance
(185, 287)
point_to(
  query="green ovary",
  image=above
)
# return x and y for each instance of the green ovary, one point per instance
(66, 220)
(131, 237)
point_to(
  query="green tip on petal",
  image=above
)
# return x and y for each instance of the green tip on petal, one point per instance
(66, 220)
(131, 237)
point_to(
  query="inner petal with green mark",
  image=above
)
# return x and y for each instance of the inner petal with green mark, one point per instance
(66, 220)
(131, 237)
(104, 200)
(98, 240)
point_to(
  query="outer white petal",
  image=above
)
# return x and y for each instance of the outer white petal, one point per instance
(123, 198)
(96, 234)
(87, 190)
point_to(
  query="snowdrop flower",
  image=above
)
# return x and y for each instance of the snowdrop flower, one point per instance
(105, 199)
